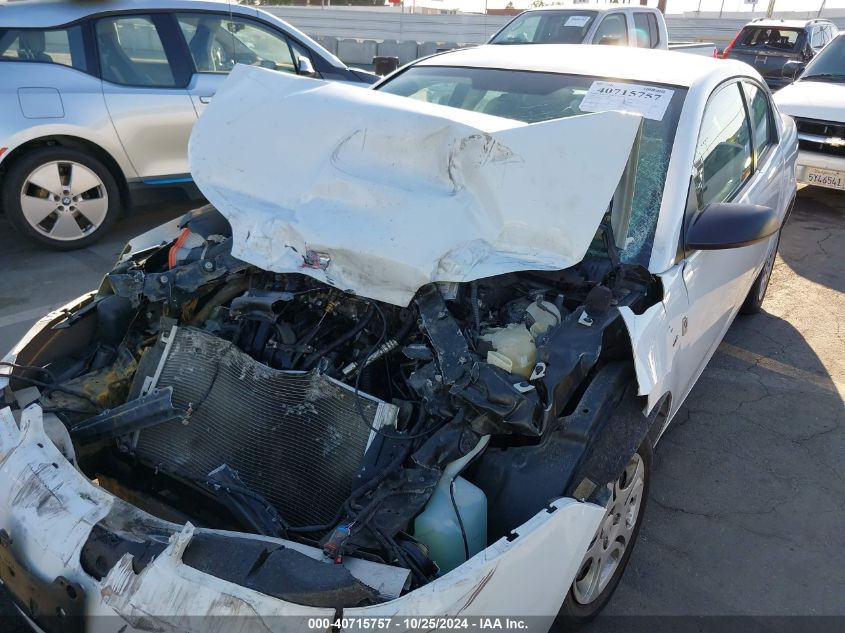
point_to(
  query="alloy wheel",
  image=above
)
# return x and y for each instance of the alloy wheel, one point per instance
(64, 200)
(614, 536)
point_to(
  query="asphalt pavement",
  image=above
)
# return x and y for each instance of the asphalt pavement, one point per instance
(747, 505)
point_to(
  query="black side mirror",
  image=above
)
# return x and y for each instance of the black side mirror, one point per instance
(793, 69)
(807, 53)
(727, 225)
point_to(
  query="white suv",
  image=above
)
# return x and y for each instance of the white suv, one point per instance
(817, 102)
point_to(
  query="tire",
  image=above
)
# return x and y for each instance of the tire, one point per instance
(585, 600)
(61, 198)
(754, 301)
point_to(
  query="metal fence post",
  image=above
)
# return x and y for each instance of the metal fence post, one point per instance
(771, 8)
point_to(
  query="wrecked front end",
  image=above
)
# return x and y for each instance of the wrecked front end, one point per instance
(264, 444)
(248, 419)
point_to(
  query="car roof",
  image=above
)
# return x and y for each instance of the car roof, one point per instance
(48, 13)
(620, 62)
(787, 24)
(601, 8)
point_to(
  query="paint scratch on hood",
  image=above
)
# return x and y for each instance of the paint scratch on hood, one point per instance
(380, 195)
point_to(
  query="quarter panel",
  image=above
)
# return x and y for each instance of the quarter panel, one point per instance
(83, 115)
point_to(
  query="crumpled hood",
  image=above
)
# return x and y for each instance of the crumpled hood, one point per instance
(813, 100)
(379, 194)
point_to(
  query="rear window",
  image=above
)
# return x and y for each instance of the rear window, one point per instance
(49, 46)
(546, 27)
(770, 37)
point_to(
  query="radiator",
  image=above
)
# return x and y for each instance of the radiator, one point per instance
(295, 438)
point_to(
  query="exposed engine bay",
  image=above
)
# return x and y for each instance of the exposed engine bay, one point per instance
(387, 444)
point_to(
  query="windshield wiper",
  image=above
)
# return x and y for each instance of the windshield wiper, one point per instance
(826, 77)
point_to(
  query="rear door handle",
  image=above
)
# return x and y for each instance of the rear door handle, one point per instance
(207, 98)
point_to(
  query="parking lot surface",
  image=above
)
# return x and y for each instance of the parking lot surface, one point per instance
(748, 490)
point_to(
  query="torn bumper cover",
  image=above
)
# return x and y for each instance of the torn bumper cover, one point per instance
(375, 172)
(50, 513)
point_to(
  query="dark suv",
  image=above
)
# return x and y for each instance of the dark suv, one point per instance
(768, 44)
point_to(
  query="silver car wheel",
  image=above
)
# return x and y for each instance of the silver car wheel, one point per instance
(64, 200)
(614, 535)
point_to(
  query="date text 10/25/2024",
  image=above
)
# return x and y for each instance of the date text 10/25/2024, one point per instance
(419, 623)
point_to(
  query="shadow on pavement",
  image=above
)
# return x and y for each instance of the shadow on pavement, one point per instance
(813, 242)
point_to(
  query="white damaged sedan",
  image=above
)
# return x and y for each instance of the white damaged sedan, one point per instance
(409, 368)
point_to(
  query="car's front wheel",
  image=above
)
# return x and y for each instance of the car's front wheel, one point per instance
(754, 301)
(607, 556)
(60, 197)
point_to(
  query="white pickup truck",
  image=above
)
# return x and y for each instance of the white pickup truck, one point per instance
(595, 24)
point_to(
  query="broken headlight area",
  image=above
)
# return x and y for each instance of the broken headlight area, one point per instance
(385, 445)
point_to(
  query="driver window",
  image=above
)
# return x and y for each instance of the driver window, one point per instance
(218, 42)
(613, 30)
(723, 155)
(761, 120)
(132, 53)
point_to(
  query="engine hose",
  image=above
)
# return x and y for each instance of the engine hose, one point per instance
(224, 295)
(314, 357)
(383, 350)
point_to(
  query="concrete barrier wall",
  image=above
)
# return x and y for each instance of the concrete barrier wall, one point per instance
(357, 34)
(391, 25)
(465, 28)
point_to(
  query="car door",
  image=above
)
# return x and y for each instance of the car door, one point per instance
(646, 30)
(144, 79)
(612, 30)
(218, 41)
(736, 160)
(766, 188)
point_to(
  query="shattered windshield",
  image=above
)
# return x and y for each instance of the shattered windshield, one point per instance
(532, 97)
(546, 27)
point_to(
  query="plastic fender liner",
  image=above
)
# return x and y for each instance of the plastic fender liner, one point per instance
(613, 428)
(594, 442)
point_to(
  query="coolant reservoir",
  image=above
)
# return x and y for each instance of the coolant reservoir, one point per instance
(438, 527)
(545, 315)
(513, 349)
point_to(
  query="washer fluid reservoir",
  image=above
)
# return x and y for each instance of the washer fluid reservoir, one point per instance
(513, 349)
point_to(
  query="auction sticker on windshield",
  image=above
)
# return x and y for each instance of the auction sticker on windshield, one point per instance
(577, 20)
(647, 101)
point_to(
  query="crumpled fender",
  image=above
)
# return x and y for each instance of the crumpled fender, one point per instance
(655, 339)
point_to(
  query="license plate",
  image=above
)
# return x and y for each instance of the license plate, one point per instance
(826, 178)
